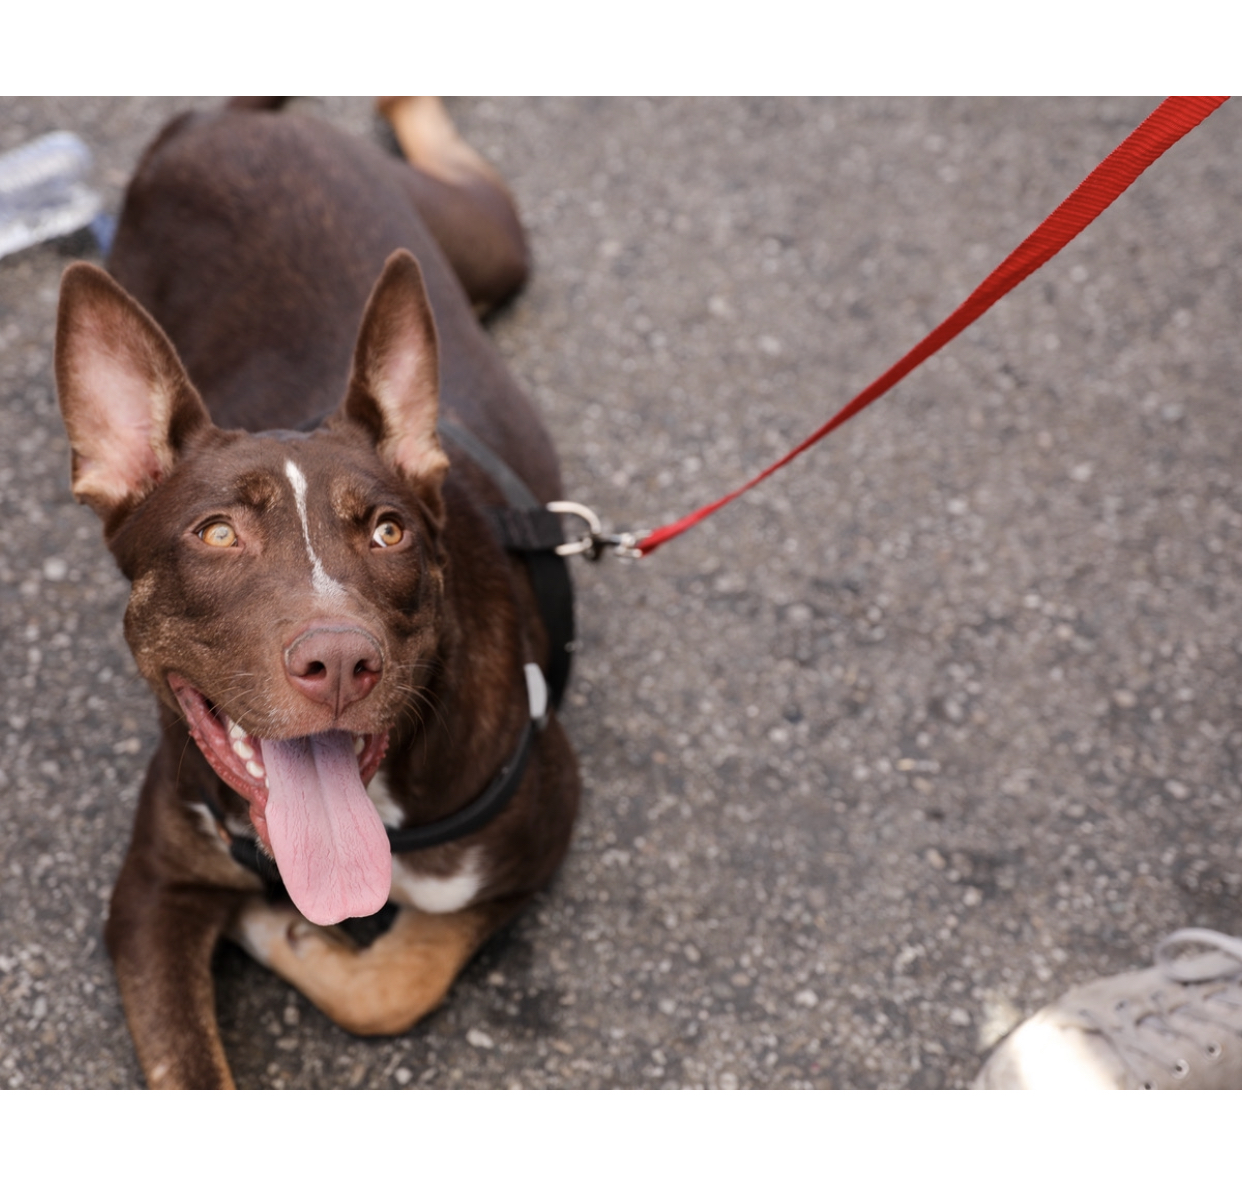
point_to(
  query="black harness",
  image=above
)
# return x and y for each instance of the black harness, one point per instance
(524, 527)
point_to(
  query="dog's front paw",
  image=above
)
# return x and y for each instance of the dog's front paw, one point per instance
(270, 933)
(263, 930)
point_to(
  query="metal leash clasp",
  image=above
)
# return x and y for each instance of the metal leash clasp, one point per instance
(592, 543)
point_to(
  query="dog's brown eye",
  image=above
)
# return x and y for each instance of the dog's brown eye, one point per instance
(387, 534)
(219, 536)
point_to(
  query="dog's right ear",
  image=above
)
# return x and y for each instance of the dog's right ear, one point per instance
(394, 387)
(127, 402)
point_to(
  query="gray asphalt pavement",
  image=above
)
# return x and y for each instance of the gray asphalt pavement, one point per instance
(941, 721)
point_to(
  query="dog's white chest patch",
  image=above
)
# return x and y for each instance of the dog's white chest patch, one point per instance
(322, 584)
(439, 894)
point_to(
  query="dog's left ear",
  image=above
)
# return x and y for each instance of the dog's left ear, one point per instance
(394, 389)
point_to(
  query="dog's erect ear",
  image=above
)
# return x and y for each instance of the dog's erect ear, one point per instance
(394, 389)
(128, 405)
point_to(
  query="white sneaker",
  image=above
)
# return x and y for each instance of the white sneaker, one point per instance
(1177, 1025)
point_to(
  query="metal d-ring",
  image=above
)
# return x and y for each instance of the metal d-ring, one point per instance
(587, 543)
(594, 541)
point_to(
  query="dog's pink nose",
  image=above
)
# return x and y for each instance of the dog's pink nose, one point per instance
(334, 665)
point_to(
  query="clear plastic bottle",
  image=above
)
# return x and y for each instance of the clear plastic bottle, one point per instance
(44, 192)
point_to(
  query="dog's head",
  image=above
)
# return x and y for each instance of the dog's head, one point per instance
(287, 588)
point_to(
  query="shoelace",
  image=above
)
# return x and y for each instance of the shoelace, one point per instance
(1186, 1019)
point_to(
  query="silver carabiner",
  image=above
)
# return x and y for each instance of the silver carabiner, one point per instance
(626, 543)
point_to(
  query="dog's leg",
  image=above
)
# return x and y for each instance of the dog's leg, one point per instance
(161, 940)
(463, 200)
(378, 991)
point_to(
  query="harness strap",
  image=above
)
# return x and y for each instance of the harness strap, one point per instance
(526, 527)
(474, 815)
(527, 530)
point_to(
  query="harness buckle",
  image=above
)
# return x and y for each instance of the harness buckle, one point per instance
(592, 543)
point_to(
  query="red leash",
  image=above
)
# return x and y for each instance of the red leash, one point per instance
(1172, 119)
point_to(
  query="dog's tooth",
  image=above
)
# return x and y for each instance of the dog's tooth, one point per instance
(236, 732)
(255, 770)
(243, 749)
(360, 743)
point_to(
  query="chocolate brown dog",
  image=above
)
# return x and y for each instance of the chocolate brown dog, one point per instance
(299, 440)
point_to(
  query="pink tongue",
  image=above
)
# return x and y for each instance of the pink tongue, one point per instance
(328, 840)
